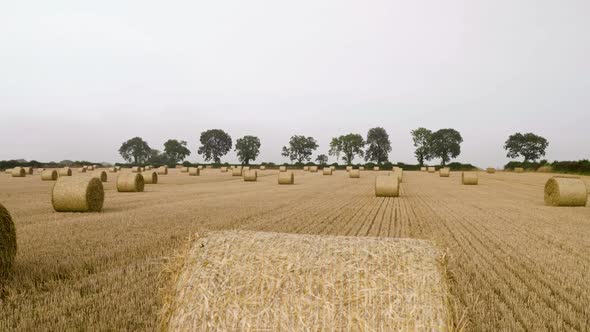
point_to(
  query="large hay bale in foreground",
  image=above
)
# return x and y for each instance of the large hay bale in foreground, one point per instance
(101, 175)
(282, 168)
(163, 170)
(490, 170)
(286, 178)
(18, 172)
(469, 178)
(519, 170)
(130, 182)
(354, 173)
(66, 171)
(431, 169)
(250, 175)
(444, 172)
(194, 171)
(313, 169)
(49, 175)
(77, 194)
(327, 171)
(7, 242)
(150, 177)
(386, 186)
(566, 191)
(236, 280)
(237, 171)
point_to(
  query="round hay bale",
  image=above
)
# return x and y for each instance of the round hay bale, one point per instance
(545, 169)
(519, 170)
(194, 171)
(200, 167)
(362, 168)
(8, 171)
(49, 175)
(150, 177)
(29, 170)
(209, 166)
(77, 194)
(386, 186)
(130, 182)
(444, 172)
(422, 169)
(348, 168)
(327, 170)
(184, 169)
(305, 168)
(333, 168)
(313, 169)
(354, 173)
(18, 172)
(469, 178)
(250, 175)
(163, 170)
(286, 178)
(136, 169)
(113, 170)
(7, 242)
(147, 168)
(237, 171)
(490, 170)
(90, 168)
(431, 169)
(566, 191)
(101, 175)
(245, 168)
(262, 168)
(66, 171)
(223, 169)
(399, 174)
(376, 168)
(282, 168)
(82, 170)
(118, 168)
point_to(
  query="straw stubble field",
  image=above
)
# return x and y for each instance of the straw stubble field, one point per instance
(513, 263)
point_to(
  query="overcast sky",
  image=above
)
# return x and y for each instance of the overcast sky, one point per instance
(77, 78)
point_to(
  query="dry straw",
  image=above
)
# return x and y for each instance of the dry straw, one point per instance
(545, 169)
(194, 171)
(444, 172)
(262, 168)
(90, 168)
(333, 168)
(250, 175)
(101, 175)
(130, 182)
(519, 170)
(286, 178)
(362, 168)
(431, 169)
(136, 169)
(490, 170)
(237, 171)
(313, 169)
(386, 186)
(566, 191)
(113, 170)
(7, 242)
(327, 171)
(77, 194)
(147, 168)
(469, 178)
(200, 167)
(18, 172)
(49, 175)
(223, 169)
(28, 170)
(376, 168)
(8, 171)
(422, 169)
(354, 173)
(399, 173)
(163, 170)
(348, 168)
(255, 281)
(66, 171)
(82, 169)
(150, 177)
(283, 169)
(305, 168)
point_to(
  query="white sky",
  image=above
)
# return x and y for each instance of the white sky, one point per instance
(77, 78)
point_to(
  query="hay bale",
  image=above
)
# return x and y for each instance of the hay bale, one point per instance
(237, 171)
(148, 168)
(422, 169)
(566, 191)
(519, 170)
(282, 168)
(286, 178)
(118, 168)
(376, 168)
(431, 169)
(250, 175)
(262, 168)
(209, 167)
(130, 182)
(82, 170)
(444, 172)
(8, 171)
(90, 168)
(150, 177)
(101, 175)
(490, 170)
(223, 169)
(333, 168)
(136, 169)
(184, 169)
(29, 170)
(194, 171)
(200, 167)
(245, 168)
(545, 169)
(66, 171)
(327, 170)
(305, 168)
(313, 169)
(399, 174)
(8, 244)
(113, 169)
(49, 175)
(18, 172)
(348, 168)
(354, 173)
(386, 186)
(362, 168)
(469, 178)
(77, 194)
(163, 170)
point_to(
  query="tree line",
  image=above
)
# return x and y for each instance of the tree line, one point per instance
(443, 145)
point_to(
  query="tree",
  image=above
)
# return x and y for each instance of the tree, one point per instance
(379, 145)
(421, 137)
(300, 148)
(322, 159)
(215, 143)
(349, 145)
(176, 151)
(159, 158)
(445, 144)
(248, 148)
(529, 146)
(135, 150)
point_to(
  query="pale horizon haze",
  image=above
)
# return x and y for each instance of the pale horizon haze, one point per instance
(77, 79)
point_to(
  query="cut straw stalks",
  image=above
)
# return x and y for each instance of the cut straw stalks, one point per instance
(286, 178)
(469, 178)
(386, 186)
(250, 175)
(18, 172)
(8, 244)
(150, 177)
(49, 175)
(566, 191)
(77, 194)
(130, 182)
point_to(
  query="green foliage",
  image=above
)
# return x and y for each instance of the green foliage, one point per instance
(529, 146)
(578, 167)
(215, 143)
(379, 145)
(176, 151)
(322, 159)
(248, 148)
(135, 150)
(300, 148)
(349, 145)
(421, 137)
(445, 144)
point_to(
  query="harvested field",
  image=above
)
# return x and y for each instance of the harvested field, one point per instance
(513, 263)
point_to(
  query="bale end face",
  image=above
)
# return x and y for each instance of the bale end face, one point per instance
(77, 194)
(469, 178)
(7, 242)
(561, 191)
(131, 182)
(386, 186)
(286, 178)
(163, 170)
